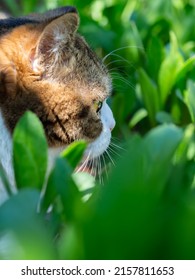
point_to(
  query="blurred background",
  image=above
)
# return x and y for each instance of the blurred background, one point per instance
(146, 210)
(137, 38)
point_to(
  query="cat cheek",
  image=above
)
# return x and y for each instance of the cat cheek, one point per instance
(93, 129)
(8, 79)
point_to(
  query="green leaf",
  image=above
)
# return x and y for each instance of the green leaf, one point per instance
(137, 117)
(164, 117)
(70, 245)
(85, 183)
(157, 138)
(124, 207)
(22, 230)
(150, 95)
(29, 152)
(74, 152)
(13, 6)
(160, 146)
(184, 68)
(169, 68)
(137, 37)
(155, 55)
(60, 184)
(189, 96)
(28, 6)
(184, 151)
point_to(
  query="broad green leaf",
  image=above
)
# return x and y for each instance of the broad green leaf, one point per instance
(137, 36)
(155, 55)
(164, 117)
(125, 97)
(29, 152)
(103, 37)
(160, 145)
(60, 184)
(74, 152)
(22, 230)
(189, 96)
(150, 95)
(185, 67)
(128, 9)
(162, 141)
(70, 243)
(19, 208)
(169, 69)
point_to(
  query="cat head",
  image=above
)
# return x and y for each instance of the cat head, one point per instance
(48, 68)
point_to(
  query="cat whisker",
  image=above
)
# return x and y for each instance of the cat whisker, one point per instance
(105, 166)
(122, 79)
(84, 164)
(122, 59)
(122, 48)
(111, 159)
(93, 168)
(114, 61)
(116, 139)
(117, 146)
(111, 150)
(98, 169)
(120, 70)
(101, 170)
(117, 75)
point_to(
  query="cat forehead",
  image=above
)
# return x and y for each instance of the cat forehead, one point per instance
(9, 23)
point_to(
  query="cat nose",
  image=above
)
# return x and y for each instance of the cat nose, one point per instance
(111, 128)
(112, 125)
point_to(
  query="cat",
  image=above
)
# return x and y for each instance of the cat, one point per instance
(48, 68)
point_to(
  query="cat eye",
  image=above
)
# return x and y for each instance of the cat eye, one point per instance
(98, 106)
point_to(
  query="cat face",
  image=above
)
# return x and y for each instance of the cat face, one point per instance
(46, 67)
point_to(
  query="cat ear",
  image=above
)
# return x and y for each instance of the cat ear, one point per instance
(55, 35)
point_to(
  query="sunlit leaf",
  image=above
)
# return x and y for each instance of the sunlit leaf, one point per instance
(190, 99)
(74, 152)
(29, 152)
(138, 116)
(169, 69)
(187, 66)
(150, 95)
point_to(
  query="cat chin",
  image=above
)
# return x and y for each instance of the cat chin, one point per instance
(100, 145)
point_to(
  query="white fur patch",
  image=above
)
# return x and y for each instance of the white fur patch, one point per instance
(101, 144)
(5, 157)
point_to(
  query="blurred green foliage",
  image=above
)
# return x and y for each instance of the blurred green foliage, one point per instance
(146, 210)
